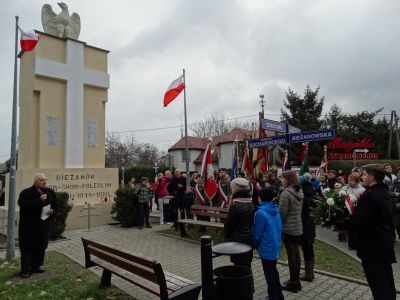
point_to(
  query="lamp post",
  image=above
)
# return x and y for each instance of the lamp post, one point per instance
(262, 103)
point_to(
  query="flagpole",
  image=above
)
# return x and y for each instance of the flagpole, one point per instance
(186, 133)
(237, 156)
(10, 251)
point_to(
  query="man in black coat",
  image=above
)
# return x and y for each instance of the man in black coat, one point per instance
(177, 189)
(37, 208)
(372, 223)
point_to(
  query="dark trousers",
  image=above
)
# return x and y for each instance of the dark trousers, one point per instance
(292, 246)
(143, 213)
(272, 277)
(177, 208)
(380, 280)
(31, 260)
(308, 249)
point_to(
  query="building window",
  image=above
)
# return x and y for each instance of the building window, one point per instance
(184, 156)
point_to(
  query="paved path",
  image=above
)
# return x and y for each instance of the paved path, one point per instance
(183, 258)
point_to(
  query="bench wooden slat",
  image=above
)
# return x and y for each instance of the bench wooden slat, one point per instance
(136, 258)
(143, 283)
(171, 276)
(201, 207)
(146, 274)
(173, 284)
(201, 223)
(209, 214)
(130, 266)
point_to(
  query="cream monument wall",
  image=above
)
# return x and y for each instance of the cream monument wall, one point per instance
(63, 89)
(63, 93)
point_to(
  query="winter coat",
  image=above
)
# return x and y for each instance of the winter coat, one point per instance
(33, 231)
(176, 191)
(162, 190)
(315, 182)
(306, 219)
(395, 188)
(356, 191)
(267, 231)
(290, 206)
(238, 226)
(372, 224)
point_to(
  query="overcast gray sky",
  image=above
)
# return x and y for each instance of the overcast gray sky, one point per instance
(232, 51)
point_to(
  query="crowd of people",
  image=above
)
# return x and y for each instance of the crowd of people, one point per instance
(277, 209)
(263, 213)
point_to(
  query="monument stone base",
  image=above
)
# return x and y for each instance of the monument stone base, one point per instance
(89, 189)
(100, 214)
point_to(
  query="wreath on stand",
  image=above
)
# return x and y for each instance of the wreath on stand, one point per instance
(333, 208)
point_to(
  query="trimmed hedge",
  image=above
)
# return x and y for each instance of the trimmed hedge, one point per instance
(63, 209)
(125, 207)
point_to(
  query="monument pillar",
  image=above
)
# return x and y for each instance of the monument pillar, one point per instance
(62, 99)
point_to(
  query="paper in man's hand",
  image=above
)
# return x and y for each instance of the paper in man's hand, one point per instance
(45, 212)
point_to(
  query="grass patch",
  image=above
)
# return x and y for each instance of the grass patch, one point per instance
(327, 257)
(63, 279)
(330, 259)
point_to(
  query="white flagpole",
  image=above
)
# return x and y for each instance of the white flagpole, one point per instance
(10, 251)
(186, 134)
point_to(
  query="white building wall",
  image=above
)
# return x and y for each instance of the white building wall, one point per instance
(178, 163)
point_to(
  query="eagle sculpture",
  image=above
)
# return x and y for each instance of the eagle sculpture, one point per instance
(62, 25)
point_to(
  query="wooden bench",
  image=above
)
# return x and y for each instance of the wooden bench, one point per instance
(216, 214)
(145, 273)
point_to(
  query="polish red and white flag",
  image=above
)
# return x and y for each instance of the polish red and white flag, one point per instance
(207, 174)
(174, 89)
(28, 39)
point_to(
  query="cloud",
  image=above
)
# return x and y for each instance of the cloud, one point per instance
(232, 51)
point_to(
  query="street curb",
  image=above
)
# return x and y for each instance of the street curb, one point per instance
(284, 263)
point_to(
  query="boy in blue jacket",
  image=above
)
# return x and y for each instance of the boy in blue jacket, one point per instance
(267, 231)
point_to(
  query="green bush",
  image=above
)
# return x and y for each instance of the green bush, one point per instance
(125, 207)
(63, 209)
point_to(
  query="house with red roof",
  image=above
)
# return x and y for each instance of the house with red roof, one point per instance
(221, 147)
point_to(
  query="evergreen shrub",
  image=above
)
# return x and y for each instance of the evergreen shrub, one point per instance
(124, 209)
(63, 209)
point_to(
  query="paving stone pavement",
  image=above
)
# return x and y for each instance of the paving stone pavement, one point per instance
(183, 258)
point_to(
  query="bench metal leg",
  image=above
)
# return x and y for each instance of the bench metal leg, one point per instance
(105, 279)
(182, 229)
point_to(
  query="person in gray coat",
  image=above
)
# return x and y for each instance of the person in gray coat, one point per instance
(290, 206)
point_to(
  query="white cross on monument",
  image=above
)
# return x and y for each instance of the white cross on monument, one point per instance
(76, 76)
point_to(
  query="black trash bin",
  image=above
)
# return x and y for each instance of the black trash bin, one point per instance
(233, 283)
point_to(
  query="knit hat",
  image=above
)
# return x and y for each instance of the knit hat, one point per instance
(239, 185)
